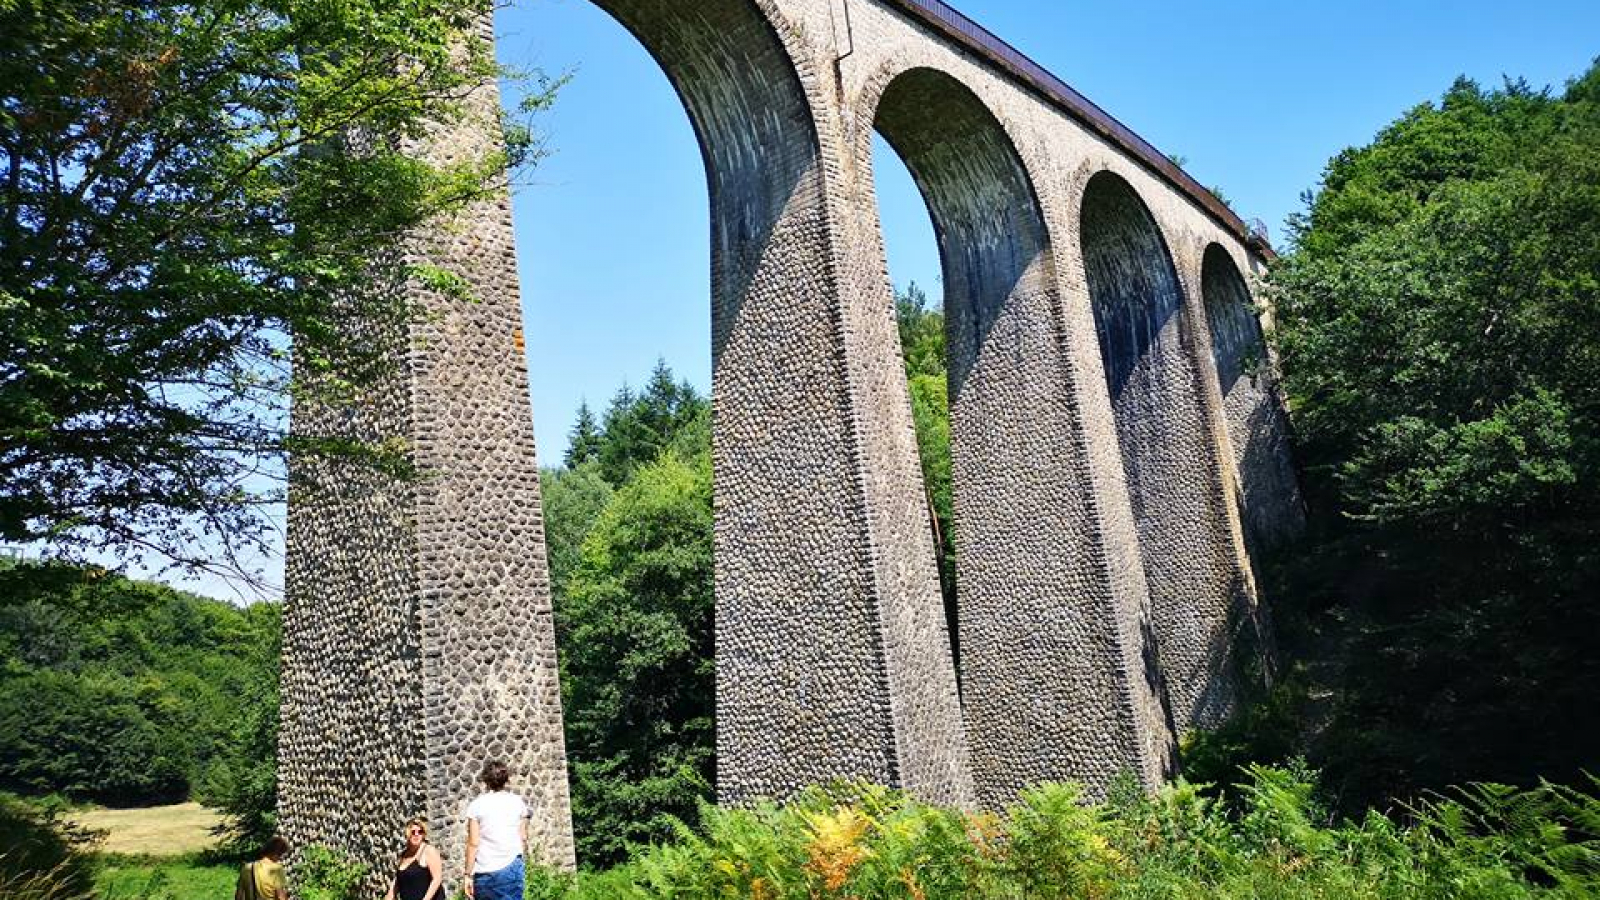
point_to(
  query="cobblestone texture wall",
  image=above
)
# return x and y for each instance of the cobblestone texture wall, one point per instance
(832, 659)
(1103, 573)
(419, 640)
(1084, 651)
(1043, 626)
(1150, 351)
(1258, 429)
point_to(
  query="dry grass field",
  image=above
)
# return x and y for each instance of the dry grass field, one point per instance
(153, 831)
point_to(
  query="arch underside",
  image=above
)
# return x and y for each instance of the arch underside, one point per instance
(826, 668)
(1258, 430)
(1046, 683)
(1199, 599)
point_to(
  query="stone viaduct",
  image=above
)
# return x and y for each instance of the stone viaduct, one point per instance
(1118, 449)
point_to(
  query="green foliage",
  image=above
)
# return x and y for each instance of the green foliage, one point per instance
(922, 343)
(922, 339)
(638, 427)
(323, 874)
(40, 854)
(1056, 848)
(629, 533)
(637, 659)
(93, 737)
(573, 499)
(1436, 318)
(1275, 841)
(241, 780)
(1268, 731)
(129, 693)
(1439, 326)
(583, 443)
(162, 878)
(185, 185)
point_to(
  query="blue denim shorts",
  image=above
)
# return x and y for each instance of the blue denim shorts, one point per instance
(503, 884)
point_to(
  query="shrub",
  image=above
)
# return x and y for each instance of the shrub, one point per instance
(1274, 840)
(324, 874)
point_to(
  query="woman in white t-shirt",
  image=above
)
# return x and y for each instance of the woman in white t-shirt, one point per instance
(497, 830)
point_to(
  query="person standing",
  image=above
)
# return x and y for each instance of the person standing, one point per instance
(419, 872)
(497, 830)
(263, 879)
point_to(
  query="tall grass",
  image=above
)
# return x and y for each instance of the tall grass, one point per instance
(1274, 841)
(40, 852)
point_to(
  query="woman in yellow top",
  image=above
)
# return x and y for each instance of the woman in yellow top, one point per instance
(263, 879)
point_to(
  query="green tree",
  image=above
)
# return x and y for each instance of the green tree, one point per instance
(922, 343)
(176, 203)
(637, 660)
(1439, 327)
(241, 778)
(127, 692)
(91, 738)
(583, 442)
(638, 427)
(629, 535)
(573, 500)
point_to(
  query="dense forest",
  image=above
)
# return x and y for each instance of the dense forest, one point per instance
(1438, 320)
(629, 536)
(132, 694)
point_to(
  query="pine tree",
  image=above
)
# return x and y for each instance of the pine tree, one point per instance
(583, 442)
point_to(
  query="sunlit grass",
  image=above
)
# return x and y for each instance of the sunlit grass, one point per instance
(163, 878)
(178, 830)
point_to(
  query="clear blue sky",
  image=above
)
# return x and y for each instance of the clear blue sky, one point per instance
(613, 234)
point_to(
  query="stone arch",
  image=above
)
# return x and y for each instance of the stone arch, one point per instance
(993, 247)
(732, 69)
(824, 667)
(1049, 692)
(1200, 596)
(1252, 411)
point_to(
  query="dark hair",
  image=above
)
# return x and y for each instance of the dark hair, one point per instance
(276, 847)
(495, 775)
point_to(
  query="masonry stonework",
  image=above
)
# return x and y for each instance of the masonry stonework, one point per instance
(1252, 410)
(1104, 485)
(418, 634)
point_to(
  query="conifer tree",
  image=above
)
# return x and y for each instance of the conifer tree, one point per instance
(583, 442)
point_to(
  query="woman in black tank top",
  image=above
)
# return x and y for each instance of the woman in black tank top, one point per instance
(419, 871)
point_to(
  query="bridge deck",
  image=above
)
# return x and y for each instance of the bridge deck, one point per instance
(950, 22)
